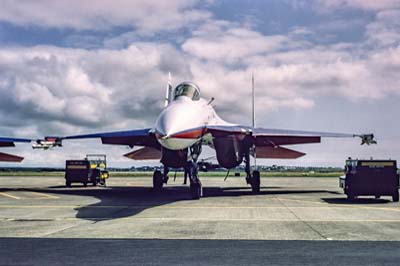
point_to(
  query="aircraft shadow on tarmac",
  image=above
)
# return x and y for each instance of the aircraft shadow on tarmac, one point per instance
(126, 201)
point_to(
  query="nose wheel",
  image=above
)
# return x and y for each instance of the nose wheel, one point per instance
(159, 179)
(255, 182)
(196, 189)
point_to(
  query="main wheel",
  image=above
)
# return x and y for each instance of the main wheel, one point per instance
(255, 182)
(67, 183)
(350, 196)
(158, 180)
(195, 190)
(395, 196)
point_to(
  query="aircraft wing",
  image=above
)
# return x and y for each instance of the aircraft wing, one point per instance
(276, 137)
(140, 137)
(268, 142)
(10, 142)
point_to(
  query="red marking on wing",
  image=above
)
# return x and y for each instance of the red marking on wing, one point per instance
(5, 157)
(146, 153)
(277, 153)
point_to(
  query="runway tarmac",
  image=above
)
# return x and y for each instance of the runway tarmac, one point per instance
(288, 222)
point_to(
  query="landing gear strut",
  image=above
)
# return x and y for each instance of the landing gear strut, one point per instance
(252, 179)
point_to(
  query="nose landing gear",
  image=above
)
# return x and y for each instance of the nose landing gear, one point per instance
(196, 189)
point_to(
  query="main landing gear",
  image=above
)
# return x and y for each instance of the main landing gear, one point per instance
(252, 178)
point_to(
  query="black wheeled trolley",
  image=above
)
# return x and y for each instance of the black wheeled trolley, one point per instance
(90, 170)
(370, 178)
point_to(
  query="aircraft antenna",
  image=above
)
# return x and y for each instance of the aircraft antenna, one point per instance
(253, 116)
(253, 101)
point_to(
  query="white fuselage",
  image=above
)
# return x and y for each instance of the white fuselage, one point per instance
(181, 123)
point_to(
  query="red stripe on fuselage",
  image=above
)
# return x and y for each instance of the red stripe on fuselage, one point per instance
(193, 134)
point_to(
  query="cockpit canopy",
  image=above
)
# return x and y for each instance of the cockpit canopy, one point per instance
(188, 89)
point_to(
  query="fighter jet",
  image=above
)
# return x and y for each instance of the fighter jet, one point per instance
(189, 122)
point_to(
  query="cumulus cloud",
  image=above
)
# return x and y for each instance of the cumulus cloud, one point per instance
(147, 16)
(372, 5)
(385, 29)
(81, 88)
(290, 71)
(221, 40)
(65, 90)
(53, 90)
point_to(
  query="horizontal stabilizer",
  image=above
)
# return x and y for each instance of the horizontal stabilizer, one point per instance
(146, 153)
(277, 153)
(5, 157)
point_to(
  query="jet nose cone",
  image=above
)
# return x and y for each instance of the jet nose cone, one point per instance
(166, 124)
(176, 119)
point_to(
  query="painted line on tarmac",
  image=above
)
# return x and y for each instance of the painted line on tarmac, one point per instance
(9, 196)
(196, 219)
(344, 207)
(149, 206)
(44, 195)
(155, 207)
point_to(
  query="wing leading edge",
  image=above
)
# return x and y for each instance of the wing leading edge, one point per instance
(140, 137)
(268, 143)
(269, 137)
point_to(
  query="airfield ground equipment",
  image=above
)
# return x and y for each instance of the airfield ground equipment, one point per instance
(370, 178)
(91, 170)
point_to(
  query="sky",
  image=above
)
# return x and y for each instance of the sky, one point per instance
(72, 67)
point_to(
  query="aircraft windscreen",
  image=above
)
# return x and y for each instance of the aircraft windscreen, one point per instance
(188, 89)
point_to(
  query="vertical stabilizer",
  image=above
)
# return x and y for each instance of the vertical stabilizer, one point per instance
(169, 93)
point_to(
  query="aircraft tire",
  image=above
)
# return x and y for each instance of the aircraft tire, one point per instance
(158, 180)
(67, 184)
(395, 196)
(255, 182)
(195, 190)
(350, 196)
